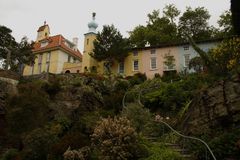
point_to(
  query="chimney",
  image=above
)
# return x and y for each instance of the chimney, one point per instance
(75, 42)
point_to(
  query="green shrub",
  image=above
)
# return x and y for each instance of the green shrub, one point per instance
(28, 109)
(224, 145)
(137, 78)
(74, 140)
(158, 151)
(139, 116)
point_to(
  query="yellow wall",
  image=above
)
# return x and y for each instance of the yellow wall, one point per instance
(72, 67)
(53, 64)
(87, 60)
(43, 34)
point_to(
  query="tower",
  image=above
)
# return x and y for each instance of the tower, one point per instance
(43, 32)
(88, 63)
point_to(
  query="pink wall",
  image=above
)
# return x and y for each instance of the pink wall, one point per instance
(159, 54)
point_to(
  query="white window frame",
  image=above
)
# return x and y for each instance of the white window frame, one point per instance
(136, 68)
(44, 44)
(189, 58)
(151, 63)
(121, 68)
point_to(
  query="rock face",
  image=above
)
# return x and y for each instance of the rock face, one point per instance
(216, 107)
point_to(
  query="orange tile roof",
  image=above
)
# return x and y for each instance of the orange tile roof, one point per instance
(56, 42)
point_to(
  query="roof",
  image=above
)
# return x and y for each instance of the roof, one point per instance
(42, 28)
(54, 43)
(163, 45)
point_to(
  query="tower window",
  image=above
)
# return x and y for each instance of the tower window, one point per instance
(87, 41)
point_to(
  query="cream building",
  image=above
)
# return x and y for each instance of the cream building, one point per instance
(54, 54)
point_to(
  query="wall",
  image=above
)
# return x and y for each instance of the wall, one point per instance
(192, 52)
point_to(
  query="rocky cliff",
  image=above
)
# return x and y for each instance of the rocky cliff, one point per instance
(217, 107)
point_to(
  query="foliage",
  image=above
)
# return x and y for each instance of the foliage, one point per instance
(138, 37)
(11, 154)
(115, 138)
(235, 9)
(171, 12)
(225, 24)
(21, 53)
(37, 144)
(194, 23)
(170, 97)
(159, 152)
(31, 105)
(109, 46)
(226, 56)
(139, 116)
(158, 29)
(81, 154)
(196, 64)
(224, 145)
(137, 78)
(169, 61)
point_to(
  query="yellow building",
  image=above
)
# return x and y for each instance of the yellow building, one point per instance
(54, 54)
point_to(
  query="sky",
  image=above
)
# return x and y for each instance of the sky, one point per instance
(70, 17)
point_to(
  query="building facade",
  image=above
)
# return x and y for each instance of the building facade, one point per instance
(148, 60)
(54, 54)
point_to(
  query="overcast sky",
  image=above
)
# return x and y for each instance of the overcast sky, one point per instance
(70, 17)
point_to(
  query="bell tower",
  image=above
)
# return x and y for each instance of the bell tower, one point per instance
(88, 63)
(43, 32)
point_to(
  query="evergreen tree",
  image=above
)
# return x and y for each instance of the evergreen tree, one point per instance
(110, 46)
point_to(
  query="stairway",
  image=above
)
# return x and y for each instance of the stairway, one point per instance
(183, 152)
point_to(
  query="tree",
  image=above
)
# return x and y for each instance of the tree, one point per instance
(194, 23)
(171, 12)
(225, 23)
(138, 36)
(235, 9)
(17, 53)
(158, 30)
(109, 46)
(196, 63)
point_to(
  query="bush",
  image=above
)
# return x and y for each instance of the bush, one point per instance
(139, 116)
(115, 138)
(81, 154)
(137, 78)
(27, 110)
(11, 154)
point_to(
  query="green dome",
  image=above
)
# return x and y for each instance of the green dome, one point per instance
(92, 26)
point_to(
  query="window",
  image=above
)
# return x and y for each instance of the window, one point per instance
(87, 41)
(153, 51)
(74, 60)
(69, 58)
(135, 65)
(40, 58)
(40, 63)
(186, 47)
(186, 60)
(44, 43)
(48, 57)
(32, 69)
(135, 53)
(153, 63)
(121, 67)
